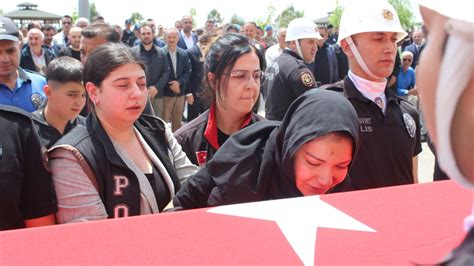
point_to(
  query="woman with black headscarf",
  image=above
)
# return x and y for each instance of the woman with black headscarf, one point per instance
(308, 153)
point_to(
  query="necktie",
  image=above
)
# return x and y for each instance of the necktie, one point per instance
(379, 102)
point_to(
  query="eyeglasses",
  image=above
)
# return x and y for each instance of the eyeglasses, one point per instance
(244, 75)
(406, 59)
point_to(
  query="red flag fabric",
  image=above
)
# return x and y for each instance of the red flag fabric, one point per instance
(412, 224)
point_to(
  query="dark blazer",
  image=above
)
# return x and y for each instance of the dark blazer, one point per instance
(26, 59)
(182, 43)
(416, 54)
(183, 72)
(157, 67)
(197, 73)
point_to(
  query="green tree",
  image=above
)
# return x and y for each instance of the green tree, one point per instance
(192, 13)
(74, 15)
(403, 8)
(136, 17)
(288, 15)
(215, 16)
(405, 13)
(268, 18)
(237, 20)
(335, 17)
(93, 10)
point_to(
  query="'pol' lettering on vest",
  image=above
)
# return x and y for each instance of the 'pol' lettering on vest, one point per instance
(120, 211)
(121, 182)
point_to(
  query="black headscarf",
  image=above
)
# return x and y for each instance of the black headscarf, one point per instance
(256, 163)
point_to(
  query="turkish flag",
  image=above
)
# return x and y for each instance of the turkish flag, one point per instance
(415, 223)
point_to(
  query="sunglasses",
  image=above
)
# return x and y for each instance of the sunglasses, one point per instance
(67, 23)
(406, 59)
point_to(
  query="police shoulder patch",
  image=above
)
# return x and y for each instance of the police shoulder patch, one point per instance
(36, 100)
(409, 124)
(307, 79)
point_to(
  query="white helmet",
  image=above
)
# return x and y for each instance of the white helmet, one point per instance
(301, 28)
(379, 16)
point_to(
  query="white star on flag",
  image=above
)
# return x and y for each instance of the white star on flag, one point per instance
(298, 219)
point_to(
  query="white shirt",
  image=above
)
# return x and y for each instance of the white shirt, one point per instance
(40, 62)
(273, 52)
(58, 39)
(188, 40)
(174, 59)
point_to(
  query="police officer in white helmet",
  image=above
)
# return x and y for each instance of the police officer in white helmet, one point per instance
(288, 76)
(390, 128)
(445, 79)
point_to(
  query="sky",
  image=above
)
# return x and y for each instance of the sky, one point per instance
(165, 13)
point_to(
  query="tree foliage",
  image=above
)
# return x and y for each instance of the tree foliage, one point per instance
(93, 10)
(405, 13)
(193, 13)
(215, 16)
(75, 15)
(288, 15)
(136, 17)
(403, 8)
(335, 17)
(237, 20)
(269, 16)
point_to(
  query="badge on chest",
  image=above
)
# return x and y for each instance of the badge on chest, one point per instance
(409, 124)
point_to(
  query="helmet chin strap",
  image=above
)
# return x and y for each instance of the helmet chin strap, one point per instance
(359, 59)
(298, 49)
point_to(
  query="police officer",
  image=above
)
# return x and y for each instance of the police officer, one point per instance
(18, 87)
(26, 195)
(288, 76)
(390, 128)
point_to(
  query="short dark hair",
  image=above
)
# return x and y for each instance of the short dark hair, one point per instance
(222, 55)
(47, 27)
(230, 27)
(64, 69)
(251, 23)
(97, 18)
(145, 24)
(67, 16)
(99, 29)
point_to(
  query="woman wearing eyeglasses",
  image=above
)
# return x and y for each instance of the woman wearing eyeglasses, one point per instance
(233, 72)
(303, 155)
(406, 76)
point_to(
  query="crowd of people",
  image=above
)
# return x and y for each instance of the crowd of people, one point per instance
(93, 119)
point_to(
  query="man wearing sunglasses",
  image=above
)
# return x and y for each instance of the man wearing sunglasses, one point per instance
(61, 38)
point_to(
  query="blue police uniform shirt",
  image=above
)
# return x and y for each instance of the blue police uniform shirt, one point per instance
(28, 92)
